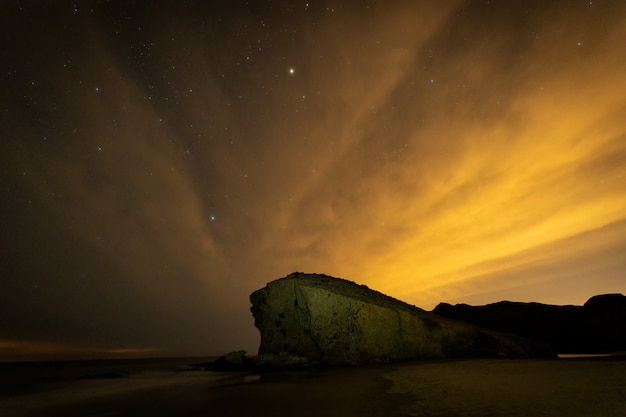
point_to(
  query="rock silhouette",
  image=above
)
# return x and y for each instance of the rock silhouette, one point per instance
(597, 326)
(334, 321)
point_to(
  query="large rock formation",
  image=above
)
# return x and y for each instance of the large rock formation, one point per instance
(597, 326)
(333, 321)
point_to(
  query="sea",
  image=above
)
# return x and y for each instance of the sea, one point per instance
(35, 388)
(18, 376)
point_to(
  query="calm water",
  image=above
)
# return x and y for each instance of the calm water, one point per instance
(19, 376)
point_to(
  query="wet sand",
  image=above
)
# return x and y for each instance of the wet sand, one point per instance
(485, 388)
(512, 388)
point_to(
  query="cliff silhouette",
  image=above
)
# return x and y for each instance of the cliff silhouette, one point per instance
(598, 326)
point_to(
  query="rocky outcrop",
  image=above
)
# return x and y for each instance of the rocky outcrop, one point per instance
(240, 361)
(334, 321)
(597, 326)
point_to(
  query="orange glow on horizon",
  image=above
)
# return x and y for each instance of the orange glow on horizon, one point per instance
(31, 350)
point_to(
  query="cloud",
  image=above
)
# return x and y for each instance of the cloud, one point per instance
(439, 178)
(594, 266)
(123, 187)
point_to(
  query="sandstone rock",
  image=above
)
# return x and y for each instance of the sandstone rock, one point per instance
(597, 326)
(334, 321)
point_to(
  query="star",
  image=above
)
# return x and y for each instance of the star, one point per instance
(292, 71)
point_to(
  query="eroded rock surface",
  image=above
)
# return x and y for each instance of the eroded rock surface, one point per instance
(334, 321)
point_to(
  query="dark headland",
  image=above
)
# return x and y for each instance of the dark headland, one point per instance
(598, 326)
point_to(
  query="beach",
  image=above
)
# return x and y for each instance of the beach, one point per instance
(572, 387)
(485, 387)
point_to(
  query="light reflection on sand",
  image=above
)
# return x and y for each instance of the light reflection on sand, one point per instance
(589, 355)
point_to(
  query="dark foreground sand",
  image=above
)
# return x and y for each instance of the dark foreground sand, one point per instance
(443, 388)
(512, 388)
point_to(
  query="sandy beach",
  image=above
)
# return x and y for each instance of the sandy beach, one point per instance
(566, 387)
(573, 387)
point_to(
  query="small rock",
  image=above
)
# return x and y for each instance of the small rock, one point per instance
(232, 361)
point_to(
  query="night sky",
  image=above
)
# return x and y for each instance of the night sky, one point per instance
(159, 161)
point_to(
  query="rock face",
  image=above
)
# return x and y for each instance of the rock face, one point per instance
(333, 321)
(597, 326)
